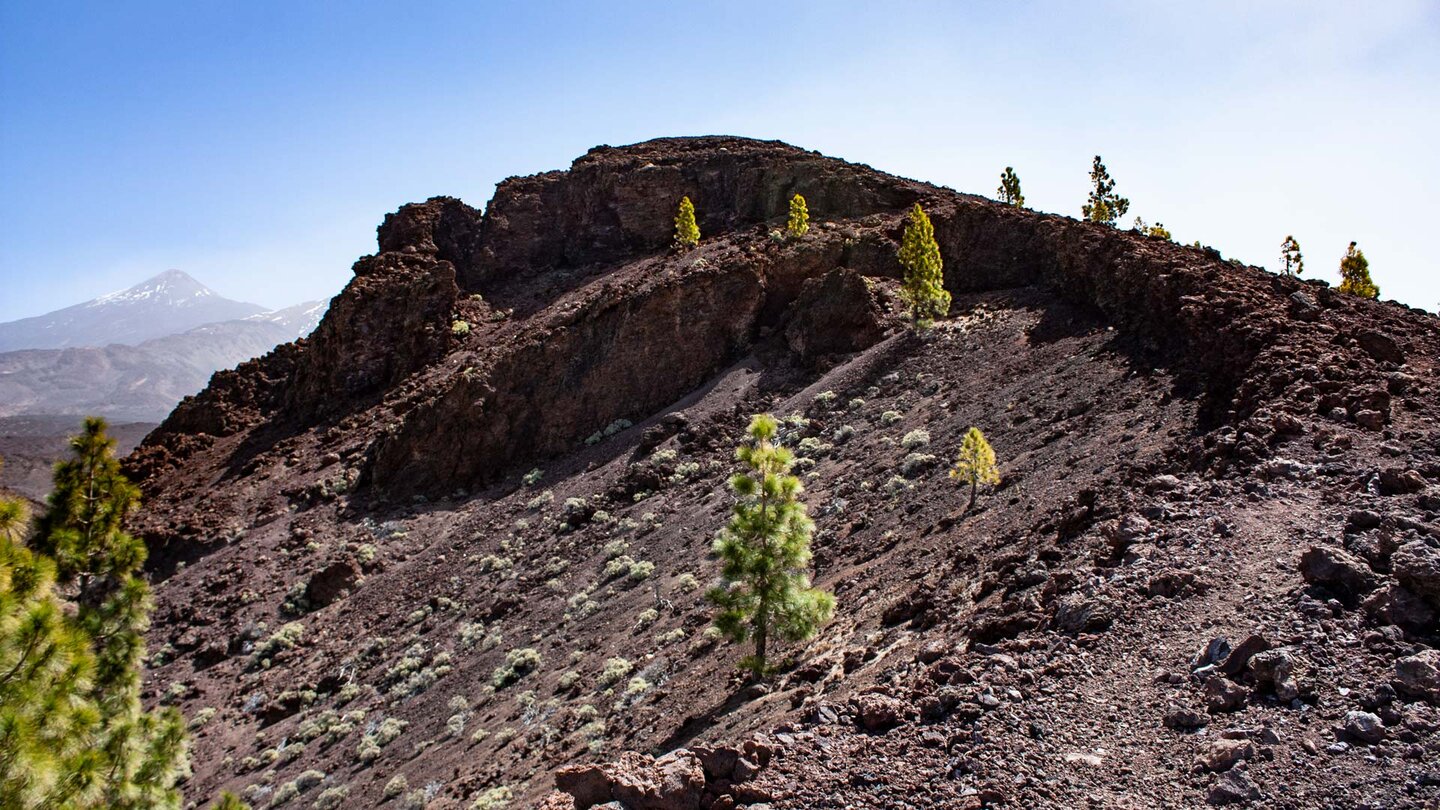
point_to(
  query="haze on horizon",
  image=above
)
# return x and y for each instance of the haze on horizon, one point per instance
(256, 146)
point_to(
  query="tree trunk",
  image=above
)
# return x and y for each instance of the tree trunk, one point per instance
(972, 495)
(762, 631)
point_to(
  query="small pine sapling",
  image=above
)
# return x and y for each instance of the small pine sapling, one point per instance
(799, 223)
(975, 465)
(1009, 190)
(1104, 205)
(1291, 262)
(687, 233)
(1355, 274)
(923, 286)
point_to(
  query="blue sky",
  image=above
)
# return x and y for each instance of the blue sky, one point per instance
(257, 145)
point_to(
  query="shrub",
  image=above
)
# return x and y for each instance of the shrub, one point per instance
(613, 671)
(642, 570)
(687, 583)
(533, 477)
(825, 400)
(494, 798)
(916, 463)
(396, 786)
(331, 798)
(518, 664)
(637, 686)
(915, 439)
(889, 418)
(286, 638)
(460, 328)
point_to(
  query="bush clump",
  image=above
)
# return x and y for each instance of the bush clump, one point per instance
(518, 663)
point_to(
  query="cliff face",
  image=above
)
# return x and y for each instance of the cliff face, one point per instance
(1168, 423)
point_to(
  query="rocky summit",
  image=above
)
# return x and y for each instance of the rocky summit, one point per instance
(451, 549)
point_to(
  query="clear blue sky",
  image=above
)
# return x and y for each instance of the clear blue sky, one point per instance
(256, 145)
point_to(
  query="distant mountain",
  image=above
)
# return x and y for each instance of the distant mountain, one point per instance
(144, 382)
(167, 304)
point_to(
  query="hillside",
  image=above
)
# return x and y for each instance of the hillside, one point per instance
(1210, 574)
(169, 303)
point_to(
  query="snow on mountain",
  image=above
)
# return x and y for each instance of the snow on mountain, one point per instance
(167, 304)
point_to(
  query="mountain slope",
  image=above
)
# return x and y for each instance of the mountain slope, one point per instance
(142, 382)
(167, 304)
(356, 571)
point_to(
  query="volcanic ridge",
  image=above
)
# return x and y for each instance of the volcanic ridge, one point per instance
(450, 550)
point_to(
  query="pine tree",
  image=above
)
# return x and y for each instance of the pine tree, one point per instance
(923, 287)
(1010, 188)
(1291, 262)
(763, 552)
(976, 463)
(14, 516)
(687, 233)
(1355, 274)
(799, 223)
(1104, 206)
(72, 729)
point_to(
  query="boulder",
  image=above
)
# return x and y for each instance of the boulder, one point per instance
(675, 781)
(1395, 604)
(1223, 695)
(1416, 565)
(1221, 755)
(1363, 727)
(330, 583)
(1396, 481)
(1273, 671)
(879, 713)
(1233, 787)
(1235, 662)
(1380, 346)
(1418, 676)
(1346, 575)
(838, 313)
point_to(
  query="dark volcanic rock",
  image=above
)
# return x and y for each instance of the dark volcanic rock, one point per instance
(1417, 566)
(835, 314)
(1346, 575)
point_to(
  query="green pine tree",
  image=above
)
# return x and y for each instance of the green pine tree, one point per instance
(1291, 262)
(14, 515)
(799, 223)
(764, 551)
(687, 233)
(975, 465)
(1010, 188)
(73, 733)
(1355, 274)
(923, 287)
(1104, 206)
